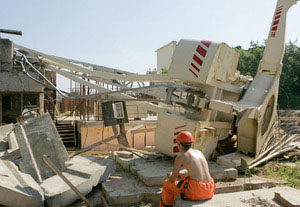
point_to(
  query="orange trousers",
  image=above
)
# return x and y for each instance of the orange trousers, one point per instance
(188, 189)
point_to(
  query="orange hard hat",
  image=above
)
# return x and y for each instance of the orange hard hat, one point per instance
(184, 137)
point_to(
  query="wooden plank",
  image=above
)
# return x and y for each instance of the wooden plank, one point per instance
(94, 145)
(289, 118)
(131, 149)
(123, 138)
(104, 201)
(271, 156)
(274, 148)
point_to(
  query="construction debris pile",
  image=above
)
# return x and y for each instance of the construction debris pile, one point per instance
(277, 144)
(290, 121)
(28, 152)
(284, 137)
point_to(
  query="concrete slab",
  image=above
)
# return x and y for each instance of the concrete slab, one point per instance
(132, 191)
(288, 198)
(244, 184)
(37, 137)
(5, 130)
(12, 142)
(150, 173)
(59, 194)
(12, 152)
(242, 199)
(232, 159)
(154, 172)
(222, 173)
(96, 169)
(18, 189)
(84, 172)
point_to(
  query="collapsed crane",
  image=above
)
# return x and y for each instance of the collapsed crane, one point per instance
(202, 78)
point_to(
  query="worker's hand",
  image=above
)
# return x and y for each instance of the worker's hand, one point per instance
(169, 174)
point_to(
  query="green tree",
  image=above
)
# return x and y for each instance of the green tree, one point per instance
(289, 91)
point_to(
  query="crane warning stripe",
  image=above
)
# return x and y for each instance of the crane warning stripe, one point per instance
(201, 51)
(198, 60)
(180, 127)
(277, 17)
(206, 43)
(279, 12)
(275, 22)
(175, 149)
(194, 66)
(274, 28)
(193, 73)
(176, 133)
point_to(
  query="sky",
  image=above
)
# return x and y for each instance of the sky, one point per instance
(124, 34)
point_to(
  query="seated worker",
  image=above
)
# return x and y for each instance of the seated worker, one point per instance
(197, 184)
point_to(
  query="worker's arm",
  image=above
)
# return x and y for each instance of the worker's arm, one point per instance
(178, 163)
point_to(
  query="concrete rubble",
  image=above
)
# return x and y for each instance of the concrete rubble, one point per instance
(28, 181)
(232, 159)
(17, 188)
(132, 191)
(9, 148)
(154, 172)
(25, 180)
(138, 188)
(85, 172)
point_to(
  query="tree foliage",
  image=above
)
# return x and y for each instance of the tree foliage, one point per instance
(289, 91)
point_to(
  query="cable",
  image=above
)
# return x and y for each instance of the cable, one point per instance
(36, 70)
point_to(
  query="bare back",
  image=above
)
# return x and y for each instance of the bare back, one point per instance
(196, 165)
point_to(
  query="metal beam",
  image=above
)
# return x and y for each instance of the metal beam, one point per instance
(48, 59)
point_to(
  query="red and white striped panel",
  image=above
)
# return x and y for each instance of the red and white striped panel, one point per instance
(198, 57)
(177, 130)
(276, 21)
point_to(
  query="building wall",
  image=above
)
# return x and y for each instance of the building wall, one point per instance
(12, 82)
(93, 134)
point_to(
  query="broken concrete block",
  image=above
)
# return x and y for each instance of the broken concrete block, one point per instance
(18, 189)
(232, 159)
(150, 173)
(97, 169)
(37, 137)
(222, 173)
(288, 198)
(10, 155)
(154, 173)
(11, 150)
(5, 130)
(133, 191)
(84, 172)
(12, 142)
(59, 194)
(124, 154)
